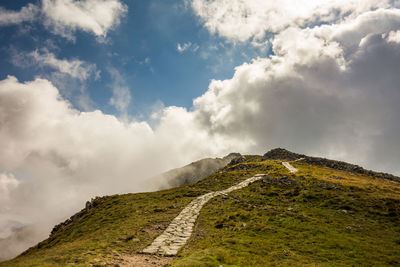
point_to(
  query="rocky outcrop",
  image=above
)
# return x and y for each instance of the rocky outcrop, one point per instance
(88, 206)
(236, 160)
(284, 180)
(240, 166)
(283, 154)
(343, 166)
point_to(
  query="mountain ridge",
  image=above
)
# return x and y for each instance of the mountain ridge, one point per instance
(194, 171)
(315, 216)
(283, 154)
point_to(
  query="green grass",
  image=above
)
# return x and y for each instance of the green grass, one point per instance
(121, 224)
(304, 224)
(328, 218)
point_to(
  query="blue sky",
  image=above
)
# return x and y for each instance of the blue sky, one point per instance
(142, 49)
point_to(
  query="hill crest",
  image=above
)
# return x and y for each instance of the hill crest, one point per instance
(315, 216)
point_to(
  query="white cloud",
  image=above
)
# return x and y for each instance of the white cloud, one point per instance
(68, 75)
(187, 46)
(121, 97)
(351, 32)
(27, 13)
(7, 184)
(393, 36)
(240, 20)
(319, 93)
(75, 68)
(72, 156)
(64, 17)
(146, 61)
(94, 16)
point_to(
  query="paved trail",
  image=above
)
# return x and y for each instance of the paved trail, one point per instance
(289, 167)
(181, 228)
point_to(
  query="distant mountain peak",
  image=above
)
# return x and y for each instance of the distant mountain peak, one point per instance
(283, 154)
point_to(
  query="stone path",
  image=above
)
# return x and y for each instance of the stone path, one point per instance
(289, 167)
(181, 227)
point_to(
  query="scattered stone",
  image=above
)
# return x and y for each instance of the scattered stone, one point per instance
(219, 226)
(327, 186)
(238, 159)
(94, 202)
(158, 210)
(127, 238)
(337, 177)
(344, 211)
(284, 180)
(241, 166)
(283, 154)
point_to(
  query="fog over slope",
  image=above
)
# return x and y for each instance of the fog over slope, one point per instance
(329, 89)
(194, 171)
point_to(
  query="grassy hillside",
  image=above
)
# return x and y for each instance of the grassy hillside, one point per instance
(316, 216)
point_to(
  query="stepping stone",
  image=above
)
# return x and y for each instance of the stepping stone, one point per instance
(289, 167)
(181, 227)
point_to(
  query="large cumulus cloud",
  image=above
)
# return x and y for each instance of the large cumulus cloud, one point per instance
(53, 157)
(240, 20)
(331, 90)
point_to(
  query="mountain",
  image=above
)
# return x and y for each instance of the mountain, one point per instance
(279, 209)
(194, 171)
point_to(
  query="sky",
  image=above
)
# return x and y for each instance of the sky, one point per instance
(98, 96)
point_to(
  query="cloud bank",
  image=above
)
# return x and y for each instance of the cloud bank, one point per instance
(330, 90)
(240, 20)
(55, 157)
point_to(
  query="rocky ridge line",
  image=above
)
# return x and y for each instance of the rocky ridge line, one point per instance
(283, 154)
(89, 205)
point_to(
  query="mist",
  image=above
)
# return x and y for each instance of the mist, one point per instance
(55, 157)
